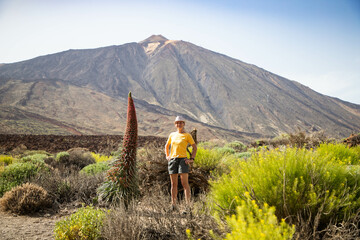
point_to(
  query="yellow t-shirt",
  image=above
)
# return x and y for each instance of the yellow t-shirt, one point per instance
(179, 142)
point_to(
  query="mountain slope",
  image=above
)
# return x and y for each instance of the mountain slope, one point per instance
(175, 77)
(57, 107)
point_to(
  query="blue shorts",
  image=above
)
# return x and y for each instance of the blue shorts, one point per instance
(178, 165)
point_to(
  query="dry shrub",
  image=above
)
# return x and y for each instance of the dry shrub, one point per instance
(71, 161)
(50, 160)
(80, 157)
(19, 150)
(348, 229)
(153, 170)
(312, 140)
(152, 167)
(151, 219)
(296, 139)
(64, 167)
(24, 199)
(353, 140)
(317, 138)
(70, 188)
(282, 140)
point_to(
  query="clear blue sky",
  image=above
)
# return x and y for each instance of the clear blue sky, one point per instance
(314, 42)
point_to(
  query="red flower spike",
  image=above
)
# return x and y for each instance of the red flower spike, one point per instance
(130, 138)
(123, 172)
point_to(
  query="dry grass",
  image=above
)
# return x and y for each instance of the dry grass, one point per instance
(151, 218)
(71, 187)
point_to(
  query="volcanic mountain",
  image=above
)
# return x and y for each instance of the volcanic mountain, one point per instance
(85, 91)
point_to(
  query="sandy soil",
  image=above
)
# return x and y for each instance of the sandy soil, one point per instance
(36, 227)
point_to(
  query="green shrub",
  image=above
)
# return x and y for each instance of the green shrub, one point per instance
(16, 174)
(298, 182)
(225, 164)
(100, 158)
(25, 199)
(236, 145)
(6, 160)
(340, 152)
(118, 151)
(212, 144)
(86, 223)
(34, 157)
(225, 150)
(253, 223)
(37, 159)
(62, 157)
(243, 155)
(207, 159)
(95, 168)
(34, 152)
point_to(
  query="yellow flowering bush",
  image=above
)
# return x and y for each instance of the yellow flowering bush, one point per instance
(86, 223)
(253, 223)
(100, 158)
(340, 153)
(6, 160)
(294, 181)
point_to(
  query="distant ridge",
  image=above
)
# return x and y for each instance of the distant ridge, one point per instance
(222, 96)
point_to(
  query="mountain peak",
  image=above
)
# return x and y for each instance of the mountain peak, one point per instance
(154, 38)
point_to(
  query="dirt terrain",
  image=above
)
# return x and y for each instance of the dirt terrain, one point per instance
(55, 143)
(39, 226)
(27, 227)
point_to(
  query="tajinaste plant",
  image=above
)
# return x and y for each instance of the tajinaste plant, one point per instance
(121, 180)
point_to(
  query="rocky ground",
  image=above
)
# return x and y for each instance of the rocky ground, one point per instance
(55, 143)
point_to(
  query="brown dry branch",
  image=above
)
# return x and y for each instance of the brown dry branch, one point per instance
(349, 229)
(153, 170)
(353, 140)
